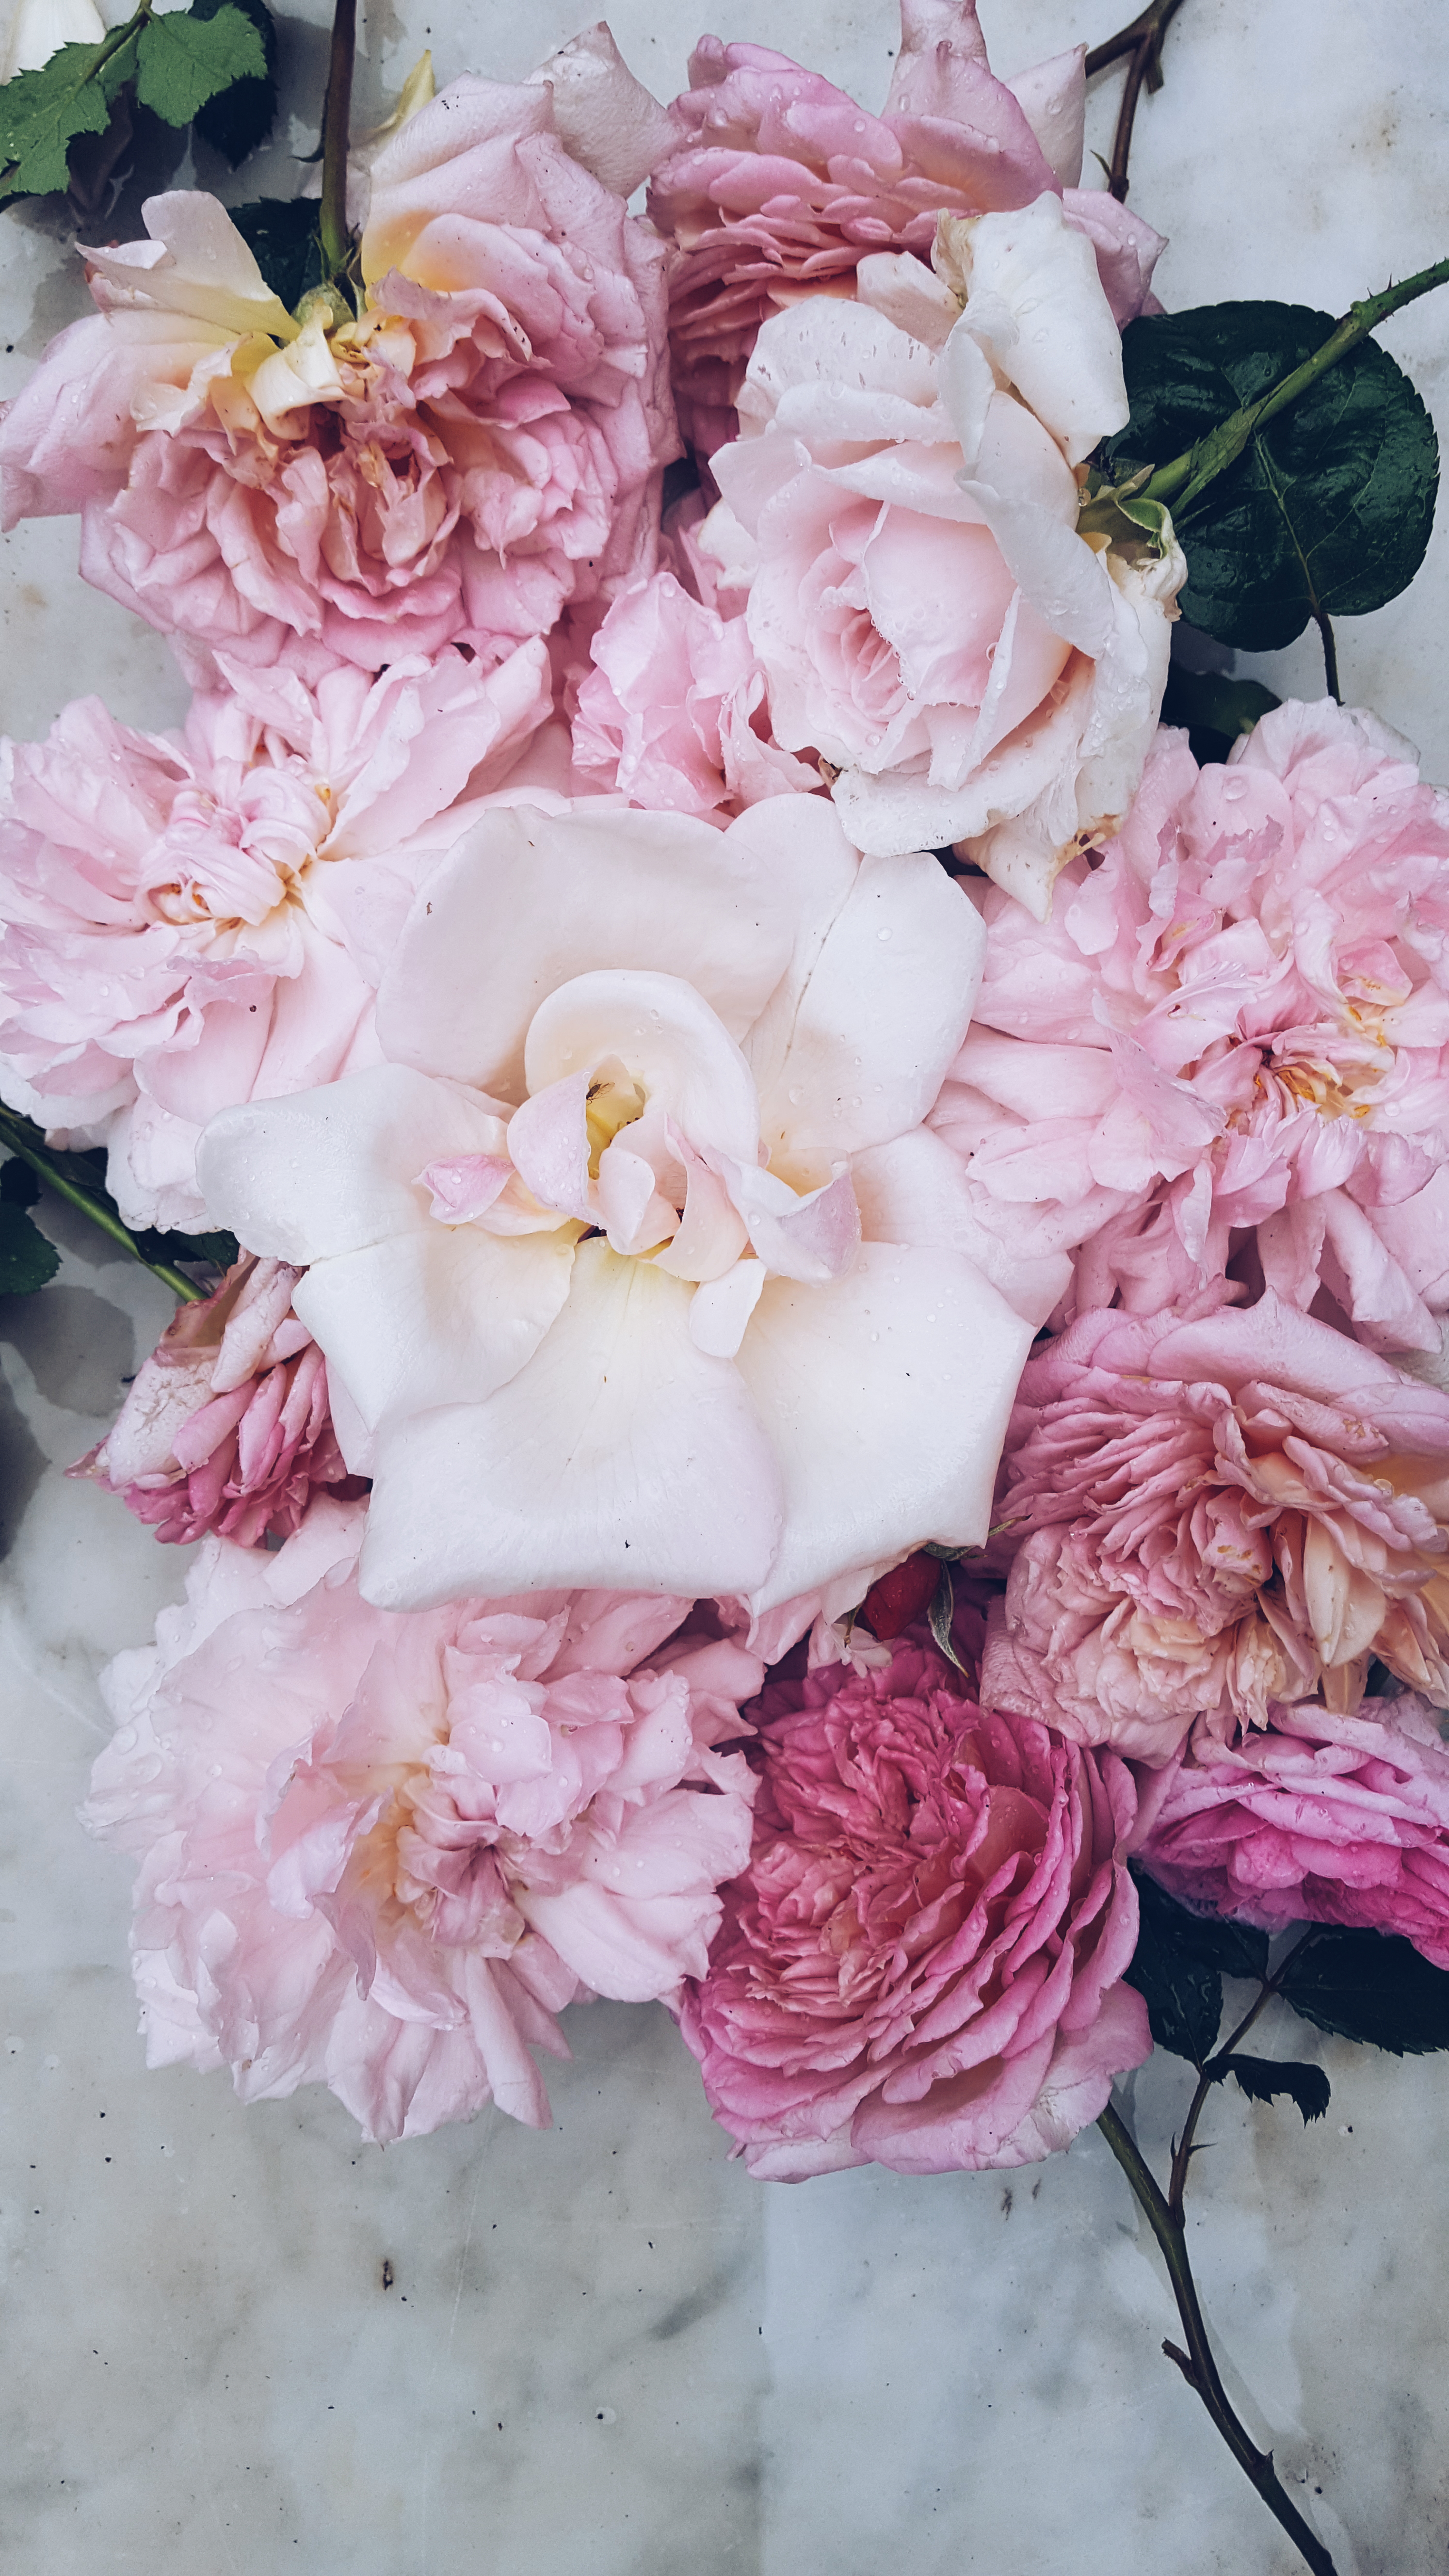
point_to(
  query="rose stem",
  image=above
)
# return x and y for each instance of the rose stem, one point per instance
(12, 1133)
(1143, 41)
(336, 112)
(1324, 625)
(1187, 475)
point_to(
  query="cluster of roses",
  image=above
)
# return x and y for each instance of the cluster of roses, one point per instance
(674, 1001)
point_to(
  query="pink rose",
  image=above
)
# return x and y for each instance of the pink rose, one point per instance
(226, 1425)
(674, 714)
(1320, 1819)
(921, 1966)
(778, 185)
(1230, 1041)
(900, 510)
(1210, 1517)
(193, 919)
(477, 452)
(430, 1832)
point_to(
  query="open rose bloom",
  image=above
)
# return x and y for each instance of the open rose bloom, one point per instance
(428, 1834)
(479, 451)
(634, 1265)
(922, 1965)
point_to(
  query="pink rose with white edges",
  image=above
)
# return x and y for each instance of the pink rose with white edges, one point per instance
(196, 918)
(430, 1833)
(635, 1264)
(900, 509)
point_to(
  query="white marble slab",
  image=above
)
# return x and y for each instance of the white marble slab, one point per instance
(605, 2352)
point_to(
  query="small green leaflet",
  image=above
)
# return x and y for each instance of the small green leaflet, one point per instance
(1329, 508)
(1264, 2078)
(27, 1258)
(1373, 1986)
(177, 63)
(182, 60)
(237, 119)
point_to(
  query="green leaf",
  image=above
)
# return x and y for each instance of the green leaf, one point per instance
(1215, 710)
(27, 1259)
(18, 1184)
(41, 112)
(184, 60)
(283, 235)
(1330, 506)
(1184, 1999)
(1234, 1949)
(1263, 2079)
(240, 118)
(1370, 1986)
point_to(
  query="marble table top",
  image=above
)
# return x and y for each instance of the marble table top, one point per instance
(240, 2341)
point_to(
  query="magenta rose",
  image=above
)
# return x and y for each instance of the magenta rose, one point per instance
(779, 184)
(921, 1966)
(1319, 1819)
(1210, 1517)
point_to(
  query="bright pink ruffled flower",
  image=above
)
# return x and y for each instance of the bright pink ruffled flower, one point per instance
(226, 1427)
(1321, 1819)
(674, 714)
(1210, 1517)
(430, 1832)
(922, 1965)
(190, 920)
(779, 185)
(1230, 1038)
(477, 452)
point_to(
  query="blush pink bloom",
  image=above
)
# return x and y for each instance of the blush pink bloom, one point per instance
(1230, 1041)
(192, 919)
(226, 1425)
(428, 1834)
(1210, 1517)
(922, 1965)
(674, 715)
(1320, 1819)
(778, 185)
(475, 453)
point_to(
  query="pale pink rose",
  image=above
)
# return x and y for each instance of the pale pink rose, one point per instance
(901, 510)
(1230, 1041)
(225, 1427)
(1319, 1819)
(778, 185)
(921, 1966)
(480, 450)
(428, 1834)
(1208, 1517)
(635, 1263)
(674, 715)
(191, 919)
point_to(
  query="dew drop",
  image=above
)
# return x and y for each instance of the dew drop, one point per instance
(885, 934)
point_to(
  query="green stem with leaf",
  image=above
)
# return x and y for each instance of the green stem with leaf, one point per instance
(1142, 42)
(335, 234)
(19, 1137)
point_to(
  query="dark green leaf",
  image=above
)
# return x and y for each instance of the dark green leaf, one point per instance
(940, 1615)
(18, 1184)
(1215, 710)
(27, 1260)
(1372, 1986)
(1330, 506)
(183, 60)
(282, 232)
(40, 113)
(1234, 1949)
(1184, 1999)
(1264, 2078)
(239, 118)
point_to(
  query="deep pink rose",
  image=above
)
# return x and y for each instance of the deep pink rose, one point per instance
(922, 1965)
(189, 920)
(674, 716)
(430, 1832)
(226, 1426)
(1210, 1517)
(1230, 1038)
(1319, 1819)
(478, 451)
(779, 184)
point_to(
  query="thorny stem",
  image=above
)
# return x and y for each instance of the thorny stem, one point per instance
(1213, 2071)
(13, 1134)
(336, 116)
(1142, 41)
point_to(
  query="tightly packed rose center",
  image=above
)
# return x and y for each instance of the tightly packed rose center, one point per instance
(635, 1263)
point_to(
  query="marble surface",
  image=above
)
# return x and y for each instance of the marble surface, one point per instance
(240, 2341)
